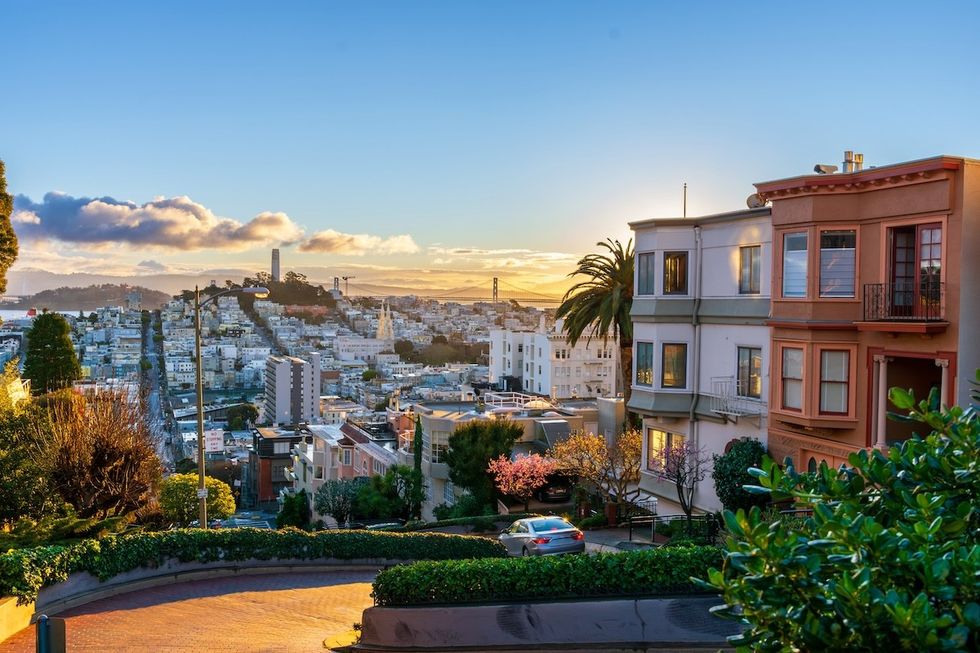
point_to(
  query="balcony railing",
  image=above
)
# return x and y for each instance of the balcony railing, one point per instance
(905, 301)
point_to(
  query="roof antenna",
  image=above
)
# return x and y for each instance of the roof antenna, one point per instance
(685, 199)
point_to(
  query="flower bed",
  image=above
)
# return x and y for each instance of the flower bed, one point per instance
(640, 573)
(23, 572)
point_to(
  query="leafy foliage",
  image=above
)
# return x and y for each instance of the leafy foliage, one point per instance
(600, 305)
(179, 502)
(50, 362)
(24, 487)
(8, 239)
(241, 415)
(101, 456)
(465, 506)
(388, 495)
(731, 471)
(639, 573)
(889, 559)
(472, 447)
(54, 529)
(522, 477)
(685, 466)
(295, 511)
(613, 469)
(24, 572)
(336, 498)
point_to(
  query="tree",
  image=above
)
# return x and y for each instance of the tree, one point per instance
(179, 503)
(404, 347)
(521, 477)
(439, 340)
(24, 485)
(685, 466)
(600, 305)
(295, 511)
(887, 561)
(613, 468)
(50, 363)
(102, 455)
(241, 415)
(8, 239)
(472, 447)
(731, 472)
(417, 495)
(388, 495)
(336, 498)
(369, 375)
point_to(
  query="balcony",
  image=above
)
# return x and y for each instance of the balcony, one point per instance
(905, 307)
(728, 400)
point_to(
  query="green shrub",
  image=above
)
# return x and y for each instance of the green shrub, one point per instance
(592, 521)
(730, 473)
(639, 573)
(889, 560)
(24, 572)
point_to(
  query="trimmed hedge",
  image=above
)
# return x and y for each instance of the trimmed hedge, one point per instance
(24, 572)
(637, 573)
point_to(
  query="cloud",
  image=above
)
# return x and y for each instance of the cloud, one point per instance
(330, 241)
(153, 266)
(501, 259)
(176, 223)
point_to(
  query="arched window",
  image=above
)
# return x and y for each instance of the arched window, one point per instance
(811, 466)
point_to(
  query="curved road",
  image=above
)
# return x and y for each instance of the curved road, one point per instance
(274, 612)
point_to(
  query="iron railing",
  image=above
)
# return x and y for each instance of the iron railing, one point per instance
(923, 301)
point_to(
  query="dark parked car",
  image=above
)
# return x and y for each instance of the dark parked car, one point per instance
(555, 493)
(540, 536)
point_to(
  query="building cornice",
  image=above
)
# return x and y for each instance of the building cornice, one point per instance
(900, 174)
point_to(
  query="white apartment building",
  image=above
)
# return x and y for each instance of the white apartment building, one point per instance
(352, 348)
(700, 340)
(292, 390)
(544, 363)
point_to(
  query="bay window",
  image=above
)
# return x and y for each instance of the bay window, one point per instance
(792, 378)
(834, 368)
(794, 264)
(837, 261)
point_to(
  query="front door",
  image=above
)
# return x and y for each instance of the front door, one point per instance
(916, 271)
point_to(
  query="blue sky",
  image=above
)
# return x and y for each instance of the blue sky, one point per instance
(503, 137)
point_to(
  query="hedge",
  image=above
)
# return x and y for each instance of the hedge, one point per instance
(638, 573)
(23, 572)
(481, 520)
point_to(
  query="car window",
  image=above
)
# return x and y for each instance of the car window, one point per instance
(555, 524)
(521, 527)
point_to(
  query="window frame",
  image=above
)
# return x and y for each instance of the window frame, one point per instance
(840, 229)
(668, 440)
(683, 255)
(806, 264)
(851, 351)
(636, 363)
(755, 269)
(663, 365)
(738, 370)
(646, 273)
(802, 378)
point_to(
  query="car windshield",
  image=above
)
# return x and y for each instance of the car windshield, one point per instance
(550, 525)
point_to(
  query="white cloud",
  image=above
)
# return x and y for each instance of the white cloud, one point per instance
(330, 241)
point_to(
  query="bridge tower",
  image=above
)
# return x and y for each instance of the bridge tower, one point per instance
(495, 295)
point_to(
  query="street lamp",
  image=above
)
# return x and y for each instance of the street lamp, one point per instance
(202, 492)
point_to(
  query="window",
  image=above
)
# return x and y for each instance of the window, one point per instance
(347, 457)
(657, 441)
(645, 274)
(644, 363)
(673, 374)
(837, 263)
(749, 372)
(750, 269)
(794, 265)
(448, 493)
(792, 375)
(440, 445)
(675, 273)
(833, 381)
(280, 448)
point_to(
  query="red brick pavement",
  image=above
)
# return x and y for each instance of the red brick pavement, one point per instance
(275, 612)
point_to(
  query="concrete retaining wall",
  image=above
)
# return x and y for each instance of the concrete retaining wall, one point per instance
(84, 588)
(681, 623)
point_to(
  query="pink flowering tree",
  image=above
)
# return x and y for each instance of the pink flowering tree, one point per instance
(522, 477)
(685, 466)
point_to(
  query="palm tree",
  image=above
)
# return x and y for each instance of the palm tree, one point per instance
(600, 305)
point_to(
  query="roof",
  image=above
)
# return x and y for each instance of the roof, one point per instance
(729, 216)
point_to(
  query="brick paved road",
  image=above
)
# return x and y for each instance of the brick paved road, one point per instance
(275, 612)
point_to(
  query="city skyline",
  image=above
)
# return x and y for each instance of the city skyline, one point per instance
(435, 144)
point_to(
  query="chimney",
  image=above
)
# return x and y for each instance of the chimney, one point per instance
(848, 161)
(858, 162)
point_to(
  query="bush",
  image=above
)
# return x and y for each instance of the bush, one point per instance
(295, 511)
(889, 559)
(24, 572)
(730, 473)
(639, 573)
(592, 521)
(466, 506)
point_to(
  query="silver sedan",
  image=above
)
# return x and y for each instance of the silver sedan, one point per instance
(539, 536)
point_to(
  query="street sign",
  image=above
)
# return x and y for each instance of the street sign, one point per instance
(202, 493)
(214, 441)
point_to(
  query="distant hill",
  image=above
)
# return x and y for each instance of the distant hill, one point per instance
(90, 298)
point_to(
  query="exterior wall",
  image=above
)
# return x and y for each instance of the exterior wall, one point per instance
(713, 318)
(872, 203)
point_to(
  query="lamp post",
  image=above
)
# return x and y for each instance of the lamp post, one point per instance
(202, 492)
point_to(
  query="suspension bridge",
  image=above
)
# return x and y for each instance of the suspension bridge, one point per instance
(493, 290)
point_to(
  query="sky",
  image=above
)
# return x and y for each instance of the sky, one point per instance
(438, 144)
